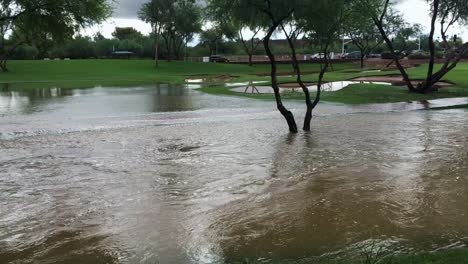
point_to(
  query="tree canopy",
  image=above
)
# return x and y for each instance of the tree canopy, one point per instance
(50, 19)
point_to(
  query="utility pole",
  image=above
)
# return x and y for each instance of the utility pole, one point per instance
(419, 43)
(344, 45)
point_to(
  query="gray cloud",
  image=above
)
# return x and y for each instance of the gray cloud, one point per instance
(127, 8)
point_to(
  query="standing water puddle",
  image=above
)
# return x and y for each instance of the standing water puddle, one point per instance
(328, 87)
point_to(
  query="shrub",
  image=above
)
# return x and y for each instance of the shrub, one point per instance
(419, 56)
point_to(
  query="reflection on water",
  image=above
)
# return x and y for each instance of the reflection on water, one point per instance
(217, 191)
(103, 101)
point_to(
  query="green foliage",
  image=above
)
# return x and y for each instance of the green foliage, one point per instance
(176, 21)
(130, 45)
(104, 47)
(80, 48)
(44, 21)
(126, 33)
(25, 52)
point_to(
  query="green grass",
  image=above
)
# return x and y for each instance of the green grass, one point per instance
(358, 94)
(90, 73)
(371, 93)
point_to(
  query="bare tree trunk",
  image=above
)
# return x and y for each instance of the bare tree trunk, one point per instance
(430, 69)
(6, 56)
(274, 81)
(3, 66)
(362, 59)
(156, 47)
(396, 58)
(297, 70)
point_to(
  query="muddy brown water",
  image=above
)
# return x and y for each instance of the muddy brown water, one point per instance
(101, 178)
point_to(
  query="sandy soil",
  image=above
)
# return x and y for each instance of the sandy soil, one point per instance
(395, 80)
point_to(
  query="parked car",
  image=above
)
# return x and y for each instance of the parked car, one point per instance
(354, 55)
(374, 56)
(218, 58)
(389, 56)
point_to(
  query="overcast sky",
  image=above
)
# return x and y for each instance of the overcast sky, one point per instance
(125, 15)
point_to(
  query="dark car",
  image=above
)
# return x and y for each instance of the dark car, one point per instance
(218, 58)
(355, 55)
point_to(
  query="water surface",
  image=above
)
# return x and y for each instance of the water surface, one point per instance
(208, 179)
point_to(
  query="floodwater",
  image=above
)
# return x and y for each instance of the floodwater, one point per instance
(169, 175)
(327, 87)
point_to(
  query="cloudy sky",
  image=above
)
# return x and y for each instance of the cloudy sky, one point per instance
(125, 15)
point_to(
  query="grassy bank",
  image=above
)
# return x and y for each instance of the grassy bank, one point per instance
(84, 73)
(357, 94)
(370, 93)
(90, 73)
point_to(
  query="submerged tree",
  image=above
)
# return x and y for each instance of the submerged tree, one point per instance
(447, 13)
(55, 19)
(320, 20)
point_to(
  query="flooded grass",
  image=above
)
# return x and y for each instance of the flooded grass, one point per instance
(355, 94)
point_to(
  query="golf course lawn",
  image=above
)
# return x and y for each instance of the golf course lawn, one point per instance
(91, 73)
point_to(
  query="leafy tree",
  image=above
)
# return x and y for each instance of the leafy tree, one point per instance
(57, 18)
(447, 13)
(80, 48)
(126, 33)
(104, 47)
(362, 31)
(222, 12)
(155, 13)
(320, 19)
(25, 52)
(215, 36)
(175, 21)
(131, 45)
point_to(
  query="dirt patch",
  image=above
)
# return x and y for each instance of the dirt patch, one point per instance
(287, 73)
(293, 85)
(396, 80)
(208, 78)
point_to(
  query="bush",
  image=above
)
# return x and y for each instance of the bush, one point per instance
(80, 48)
(25, 52)
(419, 56)
(130, 45)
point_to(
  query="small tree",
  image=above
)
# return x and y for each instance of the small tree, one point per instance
(321, 22)
(125, 33)
(362, 31)
(175, 21)
(155, 13)
(448, 13)
(223, 11)
(320, 19)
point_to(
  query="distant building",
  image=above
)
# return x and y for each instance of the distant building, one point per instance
(122, 54)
